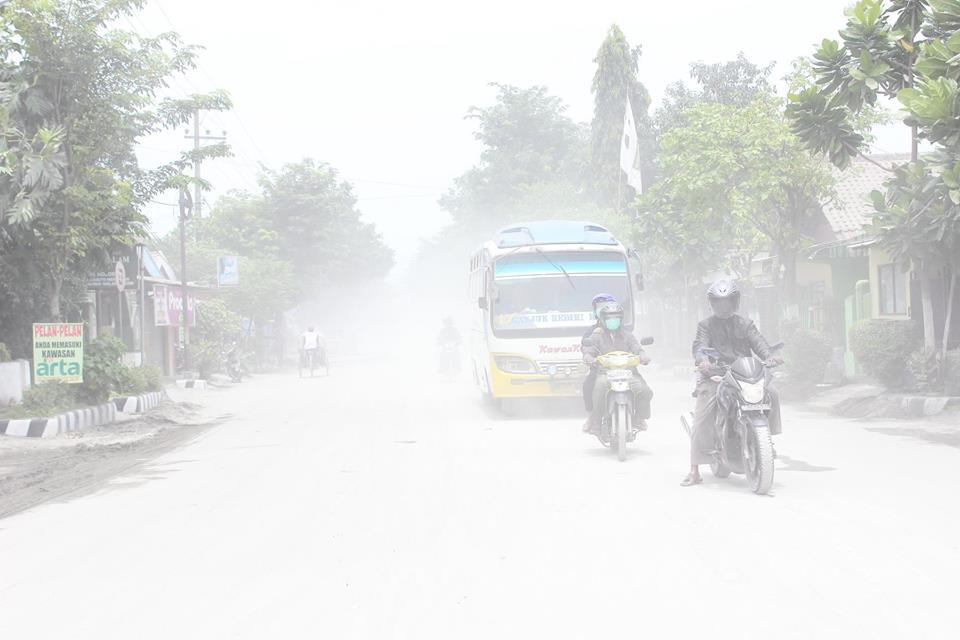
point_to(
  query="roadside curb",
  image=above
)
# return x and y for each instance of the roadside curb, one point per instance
(138, 404)
(192, 384)
(80, 419)
(927, 405)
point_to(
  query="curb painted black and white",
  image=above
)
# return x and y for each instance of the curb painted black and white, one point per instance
(63, 423)
(192, 384)
(139, 404)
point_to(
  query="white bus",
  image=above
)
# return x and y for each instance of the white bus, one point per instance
(531, 289)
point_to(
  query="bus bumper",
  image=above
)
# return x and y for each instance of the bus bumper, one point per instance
(514, 385)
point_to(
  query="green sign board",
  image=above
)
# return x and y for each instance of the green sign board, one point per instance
(58, 352)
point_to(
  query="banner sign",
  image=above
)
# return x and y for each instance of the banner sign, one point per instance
(167, 305)
(58, 352)
(228, 271)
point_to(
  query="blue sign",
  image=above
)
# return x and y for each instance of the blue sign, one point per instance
(228, 271)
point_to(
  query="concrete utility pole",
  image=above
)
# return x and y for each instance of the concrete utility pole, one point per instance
(186, 203)
(196, 137)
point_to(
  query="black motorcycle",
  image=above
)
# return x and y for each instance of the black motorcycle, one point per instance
(743, 443)
(233, 363)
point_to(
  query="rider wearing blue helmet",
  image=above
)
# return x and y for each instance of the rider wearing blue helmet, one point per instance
(591, 380)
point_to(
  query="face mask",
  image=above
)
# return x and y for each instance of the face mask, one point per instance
(612, 324)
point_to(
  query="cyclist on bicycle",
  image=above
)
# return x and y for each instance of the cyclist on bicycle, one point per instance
(312, 345)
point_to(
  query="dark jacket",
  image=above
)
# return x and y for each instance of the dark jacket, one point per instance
(602, 341)
(735, 337)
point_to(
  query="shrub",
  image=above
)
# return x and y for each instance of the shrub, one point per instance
(4, 353)
(806, 354)
(882, 348)
(46, 400)
(102, 369)
(923, 365)
(136, 380)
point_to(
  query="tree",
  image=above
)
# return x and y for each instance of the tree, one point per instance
(905, 49)
(614, 81)
(734, 181)
(318, 229)
(528, 142)
(75, 96)
(735, 83)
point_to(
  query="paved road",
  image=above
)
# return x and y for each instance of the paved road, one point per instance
(346, 508)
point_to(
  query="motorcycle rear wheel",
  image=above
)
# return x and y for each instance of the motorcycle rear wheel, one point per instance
(623, 427)
(719, 470)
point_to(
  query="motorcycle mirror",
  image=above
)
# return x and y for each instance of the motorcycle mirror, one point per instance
(482, 302)
(646, 342)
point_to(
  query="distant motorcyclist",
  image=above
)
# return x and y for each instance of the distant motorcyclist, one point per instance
(734, 337)
(609, 336)
(591, 380)
(449, 336)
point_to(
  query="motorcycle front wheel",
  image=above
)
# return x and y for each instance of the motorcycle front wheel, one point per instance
(622, 429)
(758, 458)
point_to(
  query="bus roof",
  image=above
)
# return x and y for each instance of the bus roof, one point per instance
(544, 232)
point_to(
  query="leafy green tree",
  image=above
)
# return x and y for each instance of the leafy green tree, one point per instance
(734, 181)
(907, 49)
(529, 144)
(735, 83)
(614, 81)
(318, 228)
(76, 94)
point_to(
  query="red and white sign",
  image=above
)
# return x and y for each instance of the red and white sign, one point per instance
(168, 305)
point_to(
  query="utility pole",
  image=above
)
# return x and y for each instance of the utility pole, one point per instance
(196, 137)
(186, 204)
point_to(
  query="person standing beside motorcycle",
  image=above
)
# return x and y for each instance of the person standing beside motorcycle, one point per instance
(611, 336)
(591, 380)
(733, 336)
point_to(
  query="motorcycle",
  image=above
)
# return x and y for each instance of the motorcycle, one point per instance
(449, 359)
(233, 363)
(616, 426)
(742, 430)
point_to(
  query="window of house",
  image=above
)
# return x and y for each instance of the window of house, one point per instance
(893, 290)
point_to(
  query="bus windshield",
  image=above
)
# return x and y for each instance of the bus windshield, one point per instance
(550, 293)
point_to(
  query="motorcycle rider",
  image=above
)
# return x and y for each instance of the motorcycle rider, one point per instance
(449, 334)
(734, 337)
(449, 341)
(591, 380)
(609, 336)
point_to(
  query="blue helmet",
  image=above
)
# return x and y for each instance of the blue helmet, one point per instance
(600, 298)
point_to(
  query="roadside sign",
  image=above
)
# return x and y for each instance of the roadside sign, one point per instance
(120, 276)
(108, 279)
(58, 352)
(168, 305)
(228, 271)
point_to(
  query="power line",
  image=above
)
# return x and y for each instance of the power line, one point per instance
(200, 68)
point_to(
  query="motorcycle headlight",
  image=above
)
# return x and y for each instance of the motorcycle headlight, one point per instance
(752, 393)
(513, 364)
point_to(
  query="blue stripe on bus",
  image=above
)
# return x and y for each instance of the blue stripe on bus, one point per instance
(545, 268)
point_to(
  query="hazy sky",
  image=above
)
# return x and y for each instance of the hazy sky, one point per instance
(379, 89)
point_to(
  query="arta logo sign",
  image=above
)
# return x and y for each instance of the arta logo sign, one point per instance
(573, 348)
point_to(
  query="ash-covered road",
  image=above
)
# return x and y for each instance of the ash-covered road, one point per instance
(384, 503)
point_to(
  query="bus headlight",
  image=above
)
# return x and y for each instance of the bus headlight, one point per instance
(513, 364)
